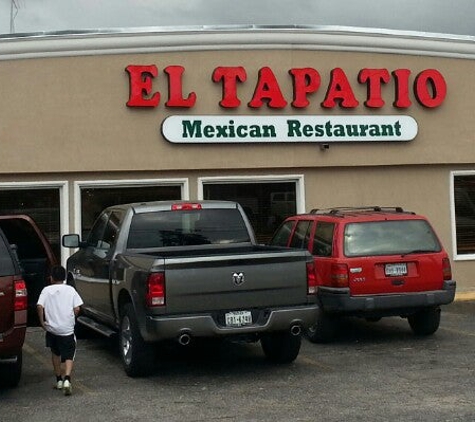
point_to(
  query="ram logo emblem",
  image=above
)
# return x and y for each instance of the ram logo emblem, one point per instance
(238, 278)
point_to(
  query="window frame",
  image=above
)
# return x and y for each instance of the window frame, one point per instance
(456, 256)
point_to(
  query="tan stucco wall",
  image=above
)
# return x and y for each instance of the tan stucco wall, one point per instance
(65, 118)
(73, 109)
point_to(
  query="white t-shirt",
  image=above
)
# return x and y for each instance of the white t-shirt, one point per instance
(59, 301)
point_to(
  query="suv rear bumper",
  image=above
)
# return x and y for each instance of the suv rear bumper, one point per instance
(205, 325)
(338, 300)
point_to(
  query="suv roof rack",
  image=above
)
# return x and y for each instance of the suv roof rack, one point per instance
(343, 210)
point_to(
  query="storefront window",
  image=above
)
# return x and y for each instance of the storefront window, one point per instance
(94, 199)
(43, 205)
(464, 202)
(266, 204)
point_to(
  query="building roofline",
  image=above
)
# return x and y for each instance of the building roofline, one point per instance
(236, 37)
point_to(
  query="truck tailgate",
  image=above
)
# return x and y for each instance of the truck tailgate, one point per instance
(245, 280)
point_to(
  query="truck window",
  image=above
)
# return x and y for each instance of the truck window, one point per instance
(181, 228)
(95, 237)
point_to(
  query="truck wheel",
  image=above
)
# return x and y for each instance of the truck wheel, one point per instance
(324, 329)
(281, 346)
(10, 373)
(425, 322)
(137, 355)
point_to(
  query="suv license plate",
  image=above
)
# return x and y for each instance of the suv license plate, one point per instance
(238, 318)
(395, 270)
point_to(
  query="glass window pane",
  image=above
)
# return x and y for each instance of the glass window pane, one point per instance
(266, 204)
(281, 237)
(301, 235)
(96, 199)
(389, 238)
(323, 240)
(464, 195)
(40, 204)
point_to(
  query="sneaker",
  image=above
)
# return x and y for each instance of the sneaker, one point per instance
(59, 385)
(67, 388)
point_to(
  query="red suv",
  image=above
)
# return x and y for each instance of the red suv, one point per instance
(13, 315)
(372, 262)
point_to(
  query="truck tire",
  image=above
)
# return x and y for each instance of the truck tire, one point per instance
(324, 329)
(10, 373)
(425, 322)
(137, 355)
(281, 346)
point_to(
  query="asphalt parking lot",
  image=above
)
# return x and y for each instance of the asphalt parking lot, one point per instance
(372, 372)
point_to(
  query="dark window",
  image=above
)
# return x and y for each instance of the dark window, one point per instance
(323, 239)
(282, 235)
(41, 204)
(389, 238)
(464, 198)
(266, 204)
(180, 228)
(6, 262)
(96, 199)
(301, 235)
(97, 233)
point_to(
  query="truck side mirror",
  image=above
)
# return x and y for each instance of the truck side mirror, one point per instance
(71, 241)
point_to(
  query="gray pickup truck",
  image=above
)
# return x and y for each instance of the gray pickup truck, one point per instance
(165, 270)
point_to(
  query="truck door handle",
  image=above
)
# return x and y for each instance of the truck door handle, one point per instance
(398, 282)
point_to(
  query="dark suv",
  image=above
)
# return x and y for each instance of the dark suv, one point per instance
(372, 262)
(13, 315)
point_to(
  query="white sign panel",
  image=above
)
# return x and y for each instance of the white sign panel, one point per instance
(294, 129)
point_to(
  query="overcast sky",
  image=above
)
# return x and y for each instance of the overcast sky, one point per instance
(433, 16)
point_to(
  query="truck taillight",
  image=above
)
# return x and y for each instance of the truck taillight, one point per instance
(156, 290)
(339, 275)
(21, 295)
(311, 279)
(186, 206)
(446, 269)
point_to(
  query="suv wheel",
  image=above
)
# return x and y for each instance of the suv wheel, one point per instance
(281, 346)
(324, 329)
(136, 354)
(10, 373)
(425, 322)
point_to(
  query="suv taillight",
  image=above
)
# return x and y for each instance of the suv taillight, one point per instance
(339, 275)
(446, 269)
(155, 290)
(311, 278)
(21, 295)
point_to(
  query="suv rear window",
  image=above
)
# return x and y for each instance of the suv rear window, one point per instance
(389, 238)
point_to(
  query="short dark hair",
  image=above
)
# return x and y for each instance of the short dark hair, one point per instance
(58, 273)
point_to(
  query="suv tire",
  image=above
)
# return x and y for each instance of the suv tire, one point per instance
(425, 322)
(10, 373)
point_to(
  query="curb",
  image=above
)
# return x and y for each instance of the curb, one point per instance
(464, 296)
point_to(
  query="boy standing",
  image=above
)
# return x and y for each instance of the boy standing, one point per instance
(58, 306)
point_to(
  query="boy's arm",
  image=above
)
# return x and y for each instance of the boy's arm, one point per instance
(76, 310)
(41, 315)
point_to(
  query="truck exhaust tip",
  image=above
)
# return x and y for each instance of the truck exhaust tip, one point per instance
(296, 330)
(184, 339)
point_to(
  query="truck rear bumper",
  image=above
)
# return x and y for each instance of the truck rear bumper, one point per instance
(338, 300)
(208, 325)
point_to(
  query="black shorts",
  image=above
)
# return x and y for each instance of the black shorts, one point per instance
(64, 346)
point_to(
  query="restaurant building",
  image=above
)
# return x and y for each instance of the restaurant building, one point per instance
(280, 119)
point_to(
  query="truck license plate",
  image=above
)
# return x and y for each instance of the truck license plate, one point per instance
(238, 318)
(395, 270)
